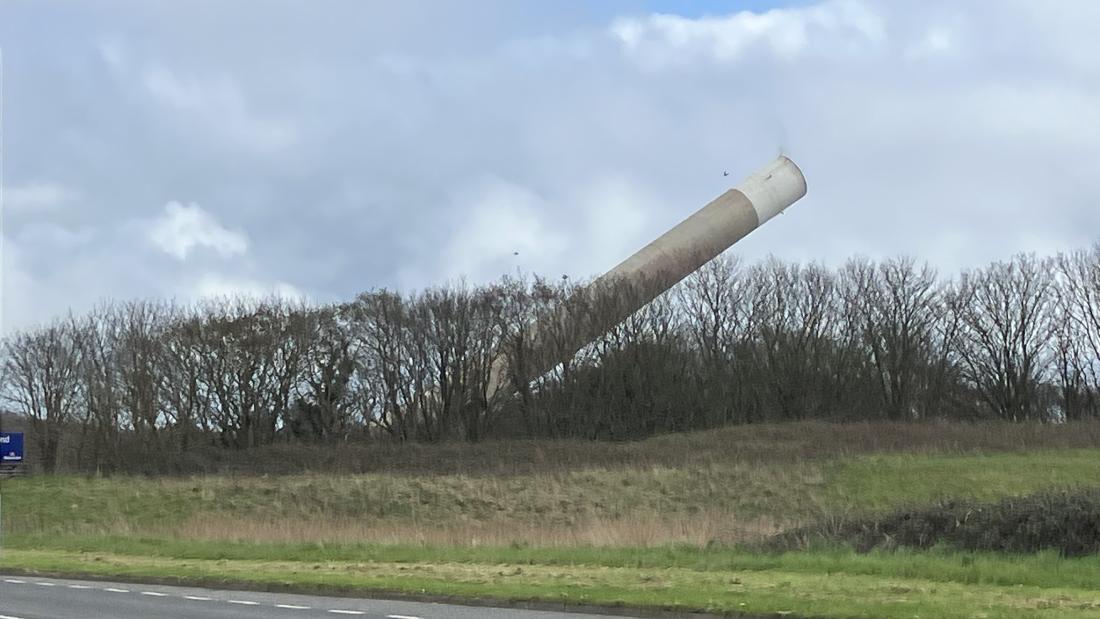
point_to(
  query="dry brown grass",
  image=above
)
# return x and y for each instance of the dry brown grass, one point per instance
(729, 485)
(726, 502)
(789, 442)
(633, 530)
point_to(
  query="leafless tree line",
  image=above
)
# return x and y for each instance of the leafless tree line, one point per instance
(735, 343)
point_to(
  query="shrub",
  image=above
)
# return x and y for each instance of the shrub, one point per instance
(1068, 522)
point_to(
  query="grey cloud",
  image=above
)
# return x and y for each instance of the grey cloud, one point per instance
(362, 144)
(38, 194)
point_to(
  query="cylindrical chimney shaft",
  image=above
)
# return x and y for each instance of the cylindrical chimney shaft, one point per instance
(655, 268)
(711, 230)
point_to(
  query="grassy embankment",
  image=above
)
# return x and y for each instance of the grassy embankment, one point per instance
(654, 523)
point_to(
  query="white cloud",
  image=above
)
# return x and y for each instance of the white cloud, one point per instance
(503, 227)
(113, 53)
(618, 221)
(957, 132)
(507, 228)
(190, 93)
(937, 41)
(216, 286)
(50, 269)
(837, 26)
(38, 195)
(218, 105)
(46, 234)
(21, 303)
(185, 227)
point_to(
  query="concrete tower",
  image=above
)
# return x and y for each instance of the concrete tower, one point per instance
(676, 254)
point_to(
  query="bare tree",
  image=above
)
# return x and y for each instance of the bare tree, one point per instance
(326, 407)
(393, 361)
(1007, 327)
(185, 402)
(716, 305)
(98, 412)
(249, 367)
(42, 373)
(795, 317)
(896, 307)
(1078, 342)
(138, 356)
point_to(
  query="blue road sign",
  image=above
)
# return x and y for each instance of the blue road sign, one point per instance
(11, 447)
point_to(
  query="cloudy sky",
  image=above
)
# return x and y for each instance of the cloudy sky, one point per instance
(184, 149)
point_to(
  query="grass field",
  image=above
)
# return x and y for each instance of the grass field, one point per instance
(659, 523)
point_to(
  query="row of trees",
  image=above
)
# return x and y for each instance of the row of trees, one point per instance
(735, 343)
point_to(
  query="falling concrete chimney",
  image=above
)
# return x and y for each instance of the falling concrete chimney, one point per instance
(678, 253)
(711, 230)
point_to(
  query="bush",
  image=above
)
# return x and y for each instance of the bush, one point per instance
(1068, 522)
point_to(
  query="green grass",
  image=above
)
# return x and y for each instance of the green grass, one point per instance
(787, 492)
(1040, 570)
(883, 482)
(821, 585)
(124, 504)
(682, 503)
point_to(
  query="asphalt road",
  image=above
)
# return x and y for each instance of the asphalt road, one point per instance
(47, 598)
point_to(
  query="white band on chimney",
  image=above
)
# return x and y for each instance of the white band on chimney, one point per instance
(773, 188)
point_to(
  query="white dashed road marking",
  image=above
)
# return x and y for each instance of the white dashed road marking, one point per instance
(197, 598)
